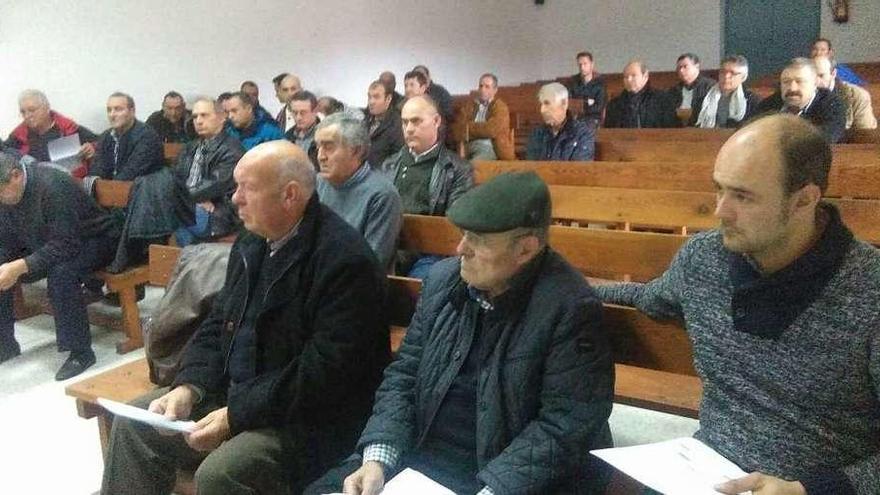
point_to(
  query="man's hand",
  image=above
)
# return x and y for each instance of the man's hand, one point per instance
(211, 431)
(207, 206)
(176, 404)
(368, 480)
(86, 151)
(761, 484)
(11, 272)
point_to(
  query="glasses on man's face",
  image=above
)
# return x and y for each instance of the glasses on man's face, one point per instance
(475, 239)
(729, 73)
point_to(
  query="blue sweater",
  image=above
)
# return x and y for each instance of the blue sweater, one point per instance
(369, 202)
(260, 131)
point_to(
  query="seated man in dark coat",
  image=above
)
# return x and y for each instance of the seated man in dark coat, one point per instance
(588, 86)
(639, 106)
(173, 123)
(504, 381)
(691, 88)
(562, 137)
(383, 124)
(128, 149)
(799, 94)
(281, 375)
(204, 169)
(50, 228)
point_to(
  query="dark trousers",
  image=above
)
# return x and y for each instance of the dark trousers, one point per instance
(63, 281)
(141, 461)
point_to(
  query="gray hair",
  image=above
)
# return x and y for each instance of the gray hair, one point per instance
(8, 163)
(302, 171)
(34, 94)
(801, 62)
(739, 61)
(352, 130)
(218, 108)
(553, 91)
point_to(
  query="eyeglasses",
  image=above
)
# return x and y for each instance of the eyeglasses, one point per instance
(481, 240)
(731, 73)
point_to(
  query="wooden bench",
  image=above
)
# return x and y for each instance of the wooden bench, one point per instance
(171, 152)
(846, 180)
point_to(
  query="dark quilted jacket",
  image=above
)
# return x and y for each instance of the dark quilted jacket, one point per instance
(544, 390)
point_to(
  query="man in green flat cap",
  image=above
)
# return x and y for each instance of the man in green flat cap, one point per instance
(504, 381)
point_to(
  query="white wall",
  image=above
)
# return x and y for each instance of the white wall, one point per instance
(618, 31)
(79, 51)
(859, 39)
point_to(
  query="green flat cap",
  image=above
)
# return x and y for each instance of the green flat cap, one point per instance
(509, 201)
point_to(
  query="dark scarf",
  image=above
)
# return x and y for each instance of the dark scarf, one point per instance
(766, 305)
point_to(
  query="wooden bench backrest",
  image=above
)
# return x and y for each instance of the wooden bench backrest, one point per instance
(163, 259)
(706, 151)
(852, 180)
(599, 253)
(172, 151)
(112, 193)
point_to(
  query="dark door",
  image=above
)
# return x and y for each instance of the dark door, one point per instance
(768, 34)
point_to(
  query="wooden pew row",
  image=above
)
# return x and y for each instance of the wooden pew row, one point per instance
(171, 152)
(706, 151)
(847, 180)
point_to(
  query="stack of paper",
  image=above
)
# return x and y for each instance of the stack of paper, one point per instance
(411, 482)
(684, 466)
(144, 416)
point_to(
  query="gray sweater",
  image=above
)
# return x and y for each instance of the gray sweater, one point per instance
(369, 202)
(800, 402)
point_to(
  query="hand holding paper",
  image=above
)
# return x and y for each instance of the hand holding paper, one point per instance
(147, 417)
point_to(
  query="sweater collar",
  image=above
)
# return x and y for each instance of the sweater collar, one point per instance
(765, 305)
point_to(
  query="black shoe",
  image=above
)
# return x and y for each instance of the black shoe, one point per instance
(75, 365)
(9, 351)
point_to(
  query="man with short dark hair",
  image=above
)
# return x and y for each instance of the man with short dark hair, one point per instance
(303, 106)
(363, 197)
(245, 125)
(415, 83)
(856, 100)
(780, 302)
(483, 125)
(173, 123)
(251, 89)
(800, 95)
(204, 169)
(562, 137)
(276, 83)
(390, 82)
(504, 380)
(50, 228)
(289, 86)
(280, 377)
(382, 121)
(691, 88)
(588, 86)
(728, 104)
(639, 106)
(437, 93)
(128, 149)
(822, 48)
(40, 125)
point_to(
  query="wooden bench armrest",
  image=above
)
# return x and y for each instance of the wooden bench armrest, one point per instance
(658, 390)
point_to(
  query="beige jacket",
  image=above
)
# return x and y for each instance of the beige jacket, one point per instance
(859, 113)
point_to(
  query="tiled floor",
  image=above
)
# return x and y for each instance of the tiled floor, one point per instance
(45, 448)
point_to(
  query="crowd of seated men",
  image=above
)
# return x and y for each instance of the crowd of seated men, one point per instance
(504, 381)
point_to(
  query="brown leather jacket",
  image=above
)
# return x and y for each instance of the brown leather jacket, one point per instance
(496, 127)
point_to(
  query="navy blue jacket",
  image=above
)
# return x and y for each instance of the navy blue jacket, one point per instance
(826, 112)
(576, 142)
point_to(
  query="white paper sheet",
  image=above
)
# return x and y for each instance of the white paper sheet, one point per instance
(144, 416)
(684, 466)
(64, 147)
(411, 482)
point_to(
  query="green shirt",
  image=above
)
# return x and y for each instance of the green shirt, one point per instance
(413, 181)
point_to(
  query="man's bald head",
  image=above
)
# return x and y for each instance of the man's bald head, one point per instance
(420, 119)
(275, 182)
(826, 71)
(289, 86)
(770, 177)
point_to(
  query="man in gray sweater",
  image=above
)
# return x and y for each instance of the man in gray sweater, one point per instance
(781, 305)
(349, 186)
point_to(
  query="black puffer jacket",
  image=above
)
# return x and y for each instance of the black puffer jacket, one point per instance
(544, 390)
